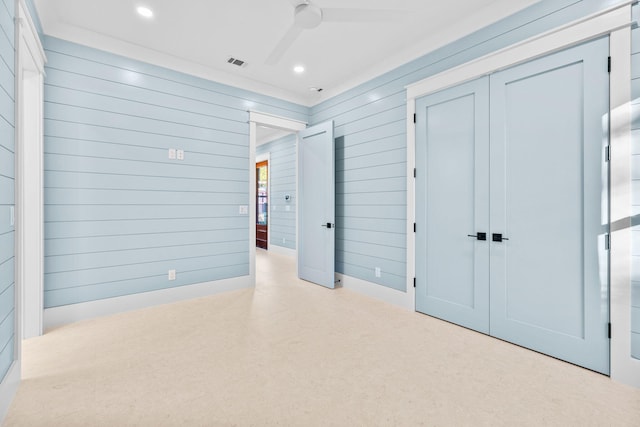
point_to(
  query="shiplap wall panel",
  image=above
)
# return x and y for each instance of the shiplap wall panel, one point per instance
(118, 212)
(91, 260)
(635, 198)
(6, 134)
(282, 169)
(371, 141)
(119, 137)
(132, 227)
(130, 72)
(140, 284)
(7, 184)
(62, 179)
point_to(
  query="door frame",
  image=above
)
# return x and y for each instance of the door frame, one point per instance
(29, 181)
(614, 22)
(256, 119)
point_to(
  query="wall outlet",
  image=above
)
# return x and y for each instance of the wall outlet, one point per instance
(243, 210)
(378, 272)
(172, 153)
(180, 154)
(284, 240)
(172, 275)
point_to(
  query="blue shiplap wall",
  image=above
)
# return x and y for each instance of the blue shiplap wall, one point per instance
(635, 273)
(7, 161)
(118, 213)
(371, 142)
(282, 167)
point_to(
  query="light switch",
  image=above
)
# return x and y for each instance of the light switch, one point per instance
(171, 275)
(180, 154)
(172, 153)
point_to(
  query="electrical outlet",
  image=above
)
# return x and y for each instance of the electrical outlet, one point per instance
(180, 154)
(172, 153)
(284, 240)
(378, 272)
(243, 210)
(172, 275)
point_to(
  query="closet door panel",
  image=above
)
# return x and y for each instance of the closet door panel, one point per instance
(549, 288)
(452, 205)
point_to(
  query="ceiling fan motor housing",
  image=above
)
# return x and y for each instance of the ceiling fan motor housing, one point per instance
(307, 16)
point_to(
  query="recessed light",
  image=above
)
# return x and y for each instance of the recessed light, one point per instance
(144, 12)
(298, 69)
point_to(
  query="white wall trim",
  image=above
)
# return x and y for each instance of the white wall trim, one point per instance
(281, 250)
(379, 292)
(624, 368)
(29, 177)
(590, 27)
(28, 31)
(9, 387)
(59, 316)
(616, 22)
(257, 118)
(275, 121)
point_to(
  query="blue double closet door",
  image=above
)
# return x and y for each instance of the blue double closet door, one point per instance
(512, 205)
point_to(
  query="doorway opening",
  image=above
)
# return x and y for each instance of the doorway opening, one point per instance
(273, 139)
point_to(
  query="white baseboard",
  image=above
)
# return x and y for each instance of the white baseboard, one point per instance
(379, 292)
(280, 250)
(58, 316)
(8, 388)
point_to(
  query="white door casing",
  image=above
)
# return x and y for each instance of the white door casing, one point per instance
(255, 119)
(29, 177)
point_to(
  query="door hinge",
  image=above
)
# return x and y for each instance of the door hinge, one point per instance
(609, 64)
(414, 282)
(414, 227)
(607, 153)
(609, 330)
(414, 118)
(414, 172)
(607, 242)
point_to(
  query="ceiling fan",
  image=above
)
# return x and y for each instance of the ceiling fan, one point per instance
(307, 16)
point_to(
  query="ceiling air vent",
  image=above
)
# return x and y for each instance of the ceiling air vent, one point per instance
(235, 61)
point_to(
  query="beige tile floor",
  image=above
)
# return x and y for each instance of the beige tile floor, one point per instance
(290, 353)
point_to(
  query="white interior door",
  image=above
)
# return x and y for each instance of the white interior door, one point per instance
(316, 204)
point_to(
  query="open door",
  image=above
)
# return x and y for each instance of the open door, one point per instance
(316, 193)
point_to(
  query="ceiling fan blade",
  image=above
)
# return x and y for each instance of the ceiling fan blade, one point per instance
(284, 44)
(363, 15)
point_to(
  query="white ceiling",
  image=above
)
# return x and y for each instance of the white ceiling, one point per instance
(197, 37)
